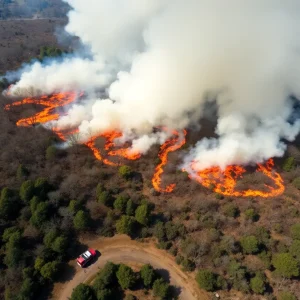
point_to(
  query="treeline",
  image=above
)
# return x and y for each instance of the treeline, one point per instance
(113, 280)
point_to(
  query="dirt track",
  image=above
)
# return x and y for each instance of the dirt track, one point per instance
(122, 249)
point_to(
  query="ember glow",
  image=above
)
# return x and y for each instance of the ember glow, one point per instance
(222, 182)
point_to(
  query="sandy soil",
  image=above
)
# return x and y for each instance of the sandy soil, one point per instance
(122, 249)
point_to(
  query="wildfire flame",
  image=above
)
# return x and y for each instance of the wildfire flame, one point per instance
(170, 145)
(223, 182)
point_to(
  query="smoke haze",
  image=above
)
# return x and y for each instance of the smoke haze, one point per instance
(161, 61)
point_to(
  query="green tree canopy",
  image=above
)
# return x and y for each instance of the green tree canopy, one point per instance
(125, 225)
(147, 275)
(35, 200)
(49, 237)
(126, 277)
(51, 152)
(60, 245)
(130, 208)
(42, 187)
(142, 214)
(9, 205)
(295, 231)
(125, 172)
(75, 206)
(106, 277)
(49, 270)
(83, 291)
(249, 244)
(81, 220)
(27, 191)
(161, 289)
(120, 203)
(258, 284)
(41, 214)
(285, 265)
(206, 280)
(295, 249)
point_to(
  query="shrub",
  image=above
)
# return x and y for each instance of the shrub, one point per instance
(285, 265)
(51, 152)
(130, 208)
(258, 284)
(286, 296)
(296, 183)
(9, 206)
(188, 265)
(81, 220)
(125, 225)
(26, 191)
(295, 249)
(249, 244)
(295, 231)
(171, 231)
(161, 288)
(105, 198)
(22, 172)
(231, 210)
(147, 275)
(262, 235)
(206, 280)
(159, 231)
(126, 277)
(251, 214)
(121, 203)
(83, 291)
(125, 172)
(289, 164)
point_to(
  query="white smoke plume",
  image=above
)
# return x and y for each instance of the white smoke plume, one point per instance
(162, 60)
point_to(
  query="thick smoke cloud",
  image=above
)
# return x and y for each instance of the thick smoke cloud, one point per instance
(161, 61)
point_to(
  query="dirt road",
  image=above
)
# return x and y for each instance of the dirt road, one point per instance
(121, 249)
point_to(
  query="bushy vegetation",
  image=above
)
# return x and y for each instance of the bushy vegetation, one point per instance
(113, 280)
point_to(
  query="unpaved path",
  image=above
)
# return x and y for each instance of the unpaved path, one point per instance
(122, 249)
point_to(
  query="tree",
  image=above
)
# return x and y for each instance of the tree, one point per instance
(49, 237)
(148, 275)
(40, 215)
(83, 291)
(126, 277)
(130, 208)
(125, 225)
(161, 288)
(106, 277)
(74, 206)
(121, 203)
(286, 296)
(22, 172)
(231, 210)
(285, 265)
(295, 231)
(105, 198)
(188, 265)
(295, 249)
(8, 232)
(125, 172)
(34, 203)
(81, 220)
(105, 294)
(60, 245)
(296, 183)
(51, 152)
(42, 187)
(171, 231)
(49, 270)
(262, 235)
(13, 253)
(26, 191)
(28, 289)
(251, 214)
(159, 231)
(9, 206)
(142, 214)
(39, 263)
(206, 280)
(258, 284)
(249, 244)
(289, 164)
